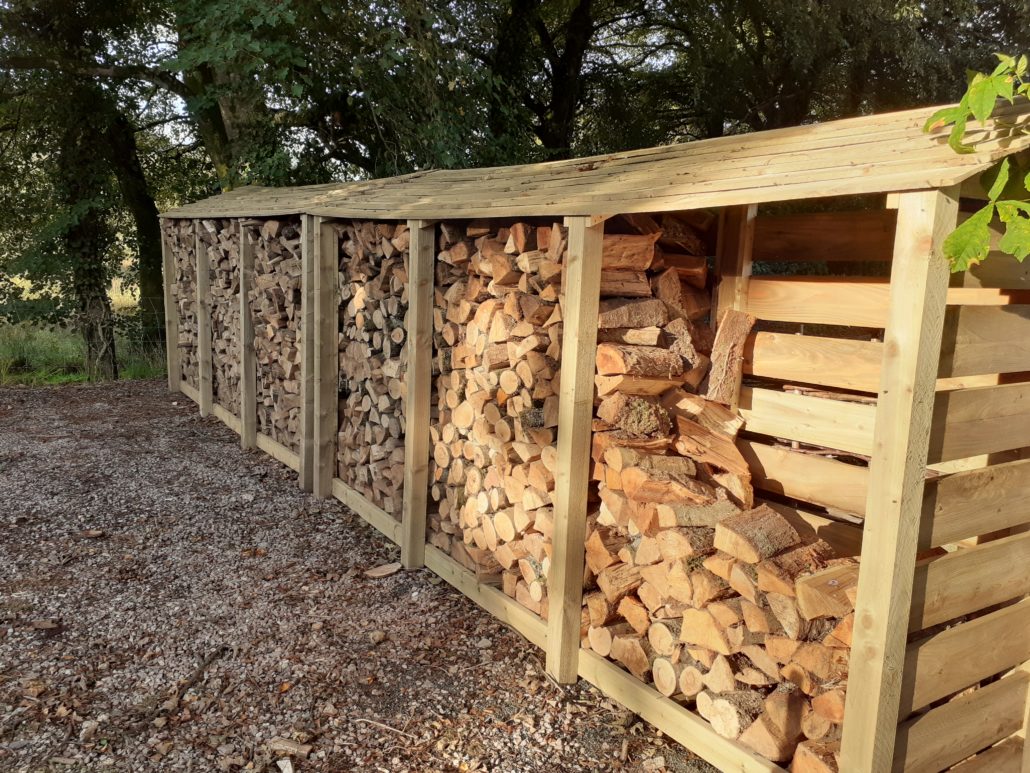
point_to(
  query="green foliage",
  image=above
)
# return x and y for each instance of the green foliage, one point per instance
(1007, 188)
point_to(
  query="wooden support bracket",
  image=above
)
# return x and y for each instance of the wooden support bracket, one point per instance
(418, 387)
(581, 298)
(897, 471)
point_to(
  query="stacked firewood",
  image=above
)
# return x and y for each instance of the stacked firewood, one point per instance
(221, 238)
(497, 323)
(373, 302)
(689, 585)
(179, 236)
(275, 307)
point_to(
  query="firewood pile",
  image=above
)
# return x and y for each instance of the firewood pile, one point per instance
(720, 603)
(182, 242)
(497, 329)
(221, 238)
(275, 307)
(373, 301)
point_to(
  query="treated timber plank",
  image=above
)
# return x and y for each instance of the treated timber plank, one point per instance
(912, 340)
(326, 363)
(418, 378)
(374, 516)
(979, 420)
(736, 244)
(306, 478)
(950, 733)
(970, 579)
(505, 609)
(248, 358)
(958, 657)
(1004, 757)
(985, 339)
(206, 383)
(171, 317)
(826, 236)
(844, 426)
(834, 362)
(580, 303)
(278, 451)
(226, 417)
(189, 391)
(673, 719)
(816, 479)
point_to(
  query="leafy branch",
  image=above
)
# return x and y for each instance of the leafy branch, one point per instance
(1007, 184)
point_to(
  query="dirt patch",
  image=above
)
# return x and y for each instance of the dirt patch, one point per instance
(169, 602)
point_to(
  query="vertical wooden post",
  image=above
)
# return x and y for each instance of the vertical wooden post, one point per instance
(307, 348)
(171, 316)
(418, 386)
(736, 244)
(912, 343)
(248, 360)
(326, 360)
(204, 344)
(582, 292)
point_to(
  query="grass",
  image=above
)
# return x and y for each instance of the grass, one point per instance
(36, 355)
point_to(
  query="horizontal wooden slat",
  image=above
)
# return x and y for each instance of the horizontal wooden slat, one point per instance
(973, 502)
(860, 301)
(190, 392)
(836, 424)
(829, 236)
(844, 538)
(985, 339)
(958, 657)
(980, 420)
(970, 579)
(226, 417)
(816, 479)
(948, 734)
(1004, 757)
(373, 515)
(279, 452)
(676, 721)
(834, 362)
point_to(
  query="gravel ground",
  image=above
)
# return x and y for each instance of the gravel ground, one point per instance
(169, 602)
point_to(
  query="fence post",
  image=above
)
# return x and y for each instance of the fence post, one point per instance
(897, 471)
(418, 387)
(206, 385)
(307, 348)
(248, 360)
(581, 290)
(171, 315)
(736, 244)
(326, 355)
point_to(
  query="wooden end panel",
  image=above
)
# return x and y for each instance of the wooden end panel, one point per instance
(865, 235)
(984, 340)
(816, 479)
(832, 362)
(973, 502)
(1004, 757)
(979, 420)
(948, 734)
(969, 580)
(958, 657)
(834, 424)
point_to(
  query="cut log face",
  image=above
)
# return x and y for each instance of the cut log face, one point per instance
(755, 535)
(181, 239)
(222, 241)
(275, 304)
(373, 264)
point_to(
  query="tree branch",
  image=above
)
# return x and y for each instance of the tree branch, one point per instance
(117, 72)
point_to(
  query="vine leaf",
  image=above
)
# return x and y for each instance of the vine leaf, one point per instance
(995, 179)
(970, 243)
(983, 92)
(1016, 239)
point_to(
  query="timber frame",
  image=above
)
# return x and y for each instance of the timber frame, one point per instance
(945, 424)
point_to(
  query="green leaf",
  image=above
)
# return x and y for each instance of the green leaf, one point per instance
(995, 179)
(982, 94)
(1016, 239)
(942, 117)
(1021, 66)
(1005, 61)
(1004, 85)
(969, 244)
(958, 133)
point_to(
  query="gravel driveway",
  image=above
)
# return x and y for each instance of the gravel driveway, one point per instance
(169, 602)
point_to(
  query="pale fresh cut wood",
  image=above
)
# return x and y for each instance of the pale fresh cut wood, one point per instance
(979, 420)
(978, 501)
(833, 362)
(845, 426)
(896, 474)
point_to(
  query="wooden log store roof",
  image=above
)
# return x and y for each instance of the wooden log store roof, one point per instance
(871, 154)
